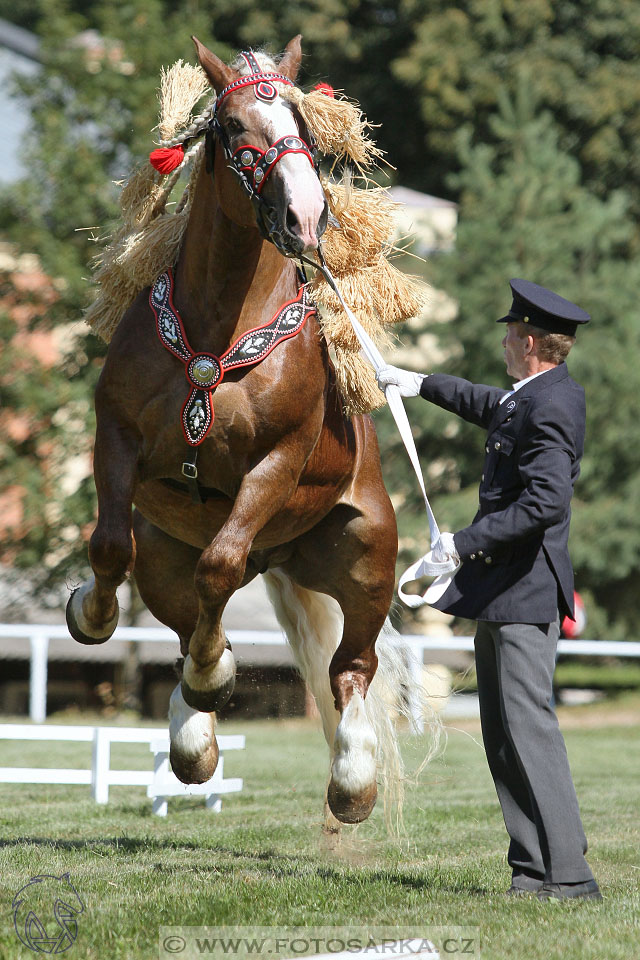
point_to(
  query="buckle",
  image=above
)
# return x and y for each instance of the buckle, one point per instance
(189, 470)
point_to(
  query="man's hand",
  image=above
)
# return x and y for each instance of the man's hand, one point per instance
(445, 549)
(407, 381)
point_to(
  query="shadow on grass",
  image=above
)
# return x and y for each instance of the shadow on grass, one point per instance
(274, 863)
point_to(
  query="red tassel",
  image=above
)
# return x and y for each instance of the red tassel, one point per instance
(326, 88)
(166, 159)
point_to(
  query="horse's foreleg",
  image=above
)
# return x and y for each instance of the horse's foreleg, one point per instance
(164, 576)
(92, 610)
(209, 670)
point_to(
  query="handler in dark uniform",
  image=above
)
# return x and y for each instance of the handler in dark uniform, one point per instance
(516, 579)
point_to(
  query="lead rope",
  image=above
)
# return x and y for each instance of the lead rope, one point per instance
(426, 565)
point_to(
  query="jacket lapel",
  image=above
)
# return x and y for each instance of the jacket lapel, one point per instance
(508, 407)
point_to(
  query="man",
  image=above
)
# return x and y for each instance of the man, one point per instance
(516, 579)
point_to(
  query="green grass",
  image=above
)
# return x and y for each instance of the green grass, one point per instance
(264, 860)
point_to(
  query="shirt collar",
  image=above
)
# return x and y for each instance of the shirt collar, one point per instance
(521, 383)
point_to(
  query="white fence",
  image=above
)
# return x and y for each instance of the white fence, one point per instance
(160, 782)
(40, 634)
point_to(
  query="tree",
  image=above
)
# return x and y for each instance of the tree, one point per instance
(525, 213)
(584, 65)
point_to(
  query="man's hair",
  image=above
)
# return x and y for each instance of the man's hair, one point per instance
(550, 347)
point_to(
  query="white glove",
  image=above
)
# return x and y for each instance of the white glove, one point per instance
(445, 549)
(407, 381)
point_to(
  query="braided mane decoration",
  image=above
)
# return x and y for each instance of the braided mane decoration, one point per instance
(148, 238)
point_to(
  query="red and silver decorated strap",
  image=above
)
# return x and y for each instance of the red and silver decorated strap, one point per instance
(256, 344)
(252, 80)
(168, 323)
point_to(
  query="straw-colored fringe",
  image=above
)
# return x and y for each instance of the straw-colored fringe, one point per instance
(148, 239)
(367, 222)
(133, 260)
(337, 124)
(181, 86)
(380, 290)
(356, 382)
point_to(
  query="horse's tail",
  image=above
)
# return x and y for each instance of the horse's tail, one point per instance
(313, 624)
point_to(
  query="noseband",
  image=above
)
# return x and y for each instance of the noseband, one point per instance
(252, 165)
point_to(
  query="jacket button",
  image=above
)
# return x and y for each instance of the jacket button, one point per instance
(481, 553)
(486, 449)
(482, 478)
(472, 556)
(488, 560)
(497, 445)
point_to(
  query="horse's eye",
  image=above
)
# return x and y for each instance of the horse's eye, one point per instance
(234, 126)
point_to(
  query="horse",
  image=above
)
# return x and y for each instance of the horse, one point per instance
(285, 485)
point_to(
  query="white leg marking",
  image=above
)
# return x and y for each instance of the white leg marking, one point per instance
(191, 731)
(218, 676)
(81, 620)
(354, 764)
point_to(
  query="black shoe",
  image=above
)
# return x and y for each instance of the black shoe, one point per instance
(523, 884)
(587, 890)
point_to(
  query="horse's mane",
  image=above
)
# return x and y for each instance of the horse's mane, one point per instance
(149, 236)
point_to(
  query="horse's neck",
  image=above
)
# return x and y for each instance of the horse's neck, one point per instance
(227, 278)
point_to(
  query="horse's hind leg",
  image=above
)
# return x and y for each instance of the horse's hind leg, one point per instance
(351, 556)
(92, 609)
(164, 575)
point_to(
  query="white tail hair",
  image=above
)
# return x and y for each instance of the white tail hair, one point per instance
(313, 624)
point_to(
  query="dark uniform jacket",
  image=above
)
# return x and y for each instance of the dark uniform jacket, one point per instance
(516, 565)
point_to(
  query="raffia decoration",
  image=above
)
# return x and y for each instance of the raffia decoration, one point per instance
(356, 382)
(367, 226)
(338, 125)
(135, 257)
(148, 238)
(181, 86)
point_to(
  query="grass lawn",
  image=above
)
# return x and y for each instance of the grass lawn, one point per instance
(264, 860)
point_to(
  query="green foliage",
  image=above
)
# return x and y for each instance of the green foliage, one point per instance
(583, 63)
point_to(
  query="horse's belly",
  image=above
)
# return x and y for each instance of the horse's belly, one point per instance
(198, 524)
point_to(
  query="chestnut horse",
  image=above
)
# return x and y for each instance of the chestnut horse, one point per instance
(292, 488)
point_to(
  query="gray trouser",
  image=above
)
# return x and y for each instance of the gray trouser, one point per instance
(526, 751)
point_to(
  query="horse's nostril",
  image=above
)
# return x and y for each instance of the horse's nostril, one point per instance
(292, 220)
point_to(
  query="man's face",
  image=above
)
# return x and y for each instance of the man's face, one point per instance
(516, 349)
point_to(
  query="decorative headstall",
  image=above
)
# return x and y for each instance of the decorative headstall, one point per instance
(253, 165)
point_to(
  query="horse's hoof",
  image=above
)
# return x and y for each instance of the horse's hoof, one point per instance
(348, 809)
(209, 693)
(194, 771)
(77, 622)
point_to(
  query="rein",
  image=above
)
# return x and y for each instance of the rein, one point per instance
(426, 565)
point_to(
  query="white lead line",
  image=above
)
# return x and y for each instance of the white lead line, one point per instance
(426, 565)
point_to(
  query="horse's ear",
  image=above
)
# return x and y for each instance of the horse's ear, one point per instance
(219, 74)
(290, 63)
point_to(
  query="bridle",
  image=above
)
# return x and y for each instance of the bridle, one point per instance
(252, 165)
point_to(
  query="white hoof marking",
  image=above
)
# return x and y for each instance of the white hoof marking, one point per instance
(354, 765)
(191, 731)
(78, 613)
(223, 672)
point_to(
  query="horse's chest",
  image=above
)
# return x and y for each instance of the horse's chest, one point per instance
(231, 419)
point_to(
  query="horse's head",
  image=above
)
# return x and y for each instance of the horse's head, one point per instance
(265, 140)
